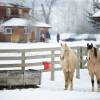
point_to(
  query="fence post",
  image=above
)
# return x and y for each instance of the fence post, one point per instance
(78, 67)
(81, 60)
(52, 69)
(23, 60)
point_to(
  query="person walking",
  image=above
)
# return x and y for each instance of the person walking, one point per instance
(42, 37)
(48, 37)
(58, 37)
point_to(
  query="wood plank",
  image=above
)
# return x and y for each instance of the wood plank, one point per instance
(10, 51)
(41, 56)
(10, 58)
(9, 65)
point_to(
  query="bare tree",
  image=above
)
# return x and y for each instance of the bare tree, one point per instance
(33, 10)
(47, 8)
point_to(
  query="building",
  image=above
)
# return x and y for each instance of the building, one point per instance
(96, 16)
(13, 28)
(16, 27)
(9, 10)
(18, 30)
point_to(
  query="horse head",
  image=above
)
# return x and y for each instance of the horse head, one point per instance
(89, 46)
(64, 49)
(92, 49)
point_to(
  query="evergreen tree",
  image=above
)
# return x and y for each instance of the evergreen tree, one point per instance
(95, 23)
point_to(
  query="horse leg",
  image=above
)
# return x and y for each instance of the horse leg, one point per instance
(98, 80)
(92, 81)
(98, 85)
(71, 80)
(66, 80)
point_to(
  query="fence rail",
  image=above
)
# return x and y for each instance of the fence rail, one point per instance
(10, 58)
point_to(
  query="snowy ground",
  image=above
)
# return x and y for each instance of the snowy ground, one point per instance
(54, 90)
(51, 90)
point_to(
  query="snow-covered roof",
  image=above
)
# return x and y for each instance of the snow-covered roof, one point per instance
(23, 22)
(12, 5)
(42, 24)
(97, 14)
(5, 4)
(16, 22)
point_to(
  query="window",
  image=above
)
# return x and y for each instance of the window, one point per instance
(26, 29)
(20, 11)
(8, 12)
(14, 12)
(8, 30)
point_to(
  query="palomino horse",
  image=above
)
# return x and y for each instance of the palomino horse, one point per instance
(68, 61)
(93, 62)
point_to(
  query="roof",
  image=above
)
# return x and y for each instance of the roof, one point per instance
(97, 14)
(5, 4)
(23, 22)
(42, 24)
(12, 5)
(16, 22)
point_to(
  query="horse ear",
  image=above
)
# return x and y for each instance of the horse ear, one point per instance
(65, 45)
(91, 44)
(87, 44)
(61, 44)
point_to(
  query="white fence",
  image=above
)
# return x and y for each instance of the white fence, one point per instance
(11, 58)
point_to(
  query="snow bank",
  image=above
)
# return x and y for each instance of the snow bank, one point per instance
(54, 90)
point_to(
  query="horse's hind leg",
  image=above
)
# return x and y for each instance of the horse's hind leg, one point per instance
(98, 83)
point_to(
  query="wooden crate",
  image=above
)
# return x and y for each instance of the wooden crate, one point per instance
(20, 78)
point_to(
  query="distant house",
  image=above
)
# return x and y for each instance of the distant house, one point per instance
(96, 16)
(18, 30)
(15, 28)
(39, 28)
(9, 10)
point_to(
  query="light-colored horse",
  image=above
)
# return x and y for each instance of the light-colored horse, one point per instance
(68, 61)
(93, 63)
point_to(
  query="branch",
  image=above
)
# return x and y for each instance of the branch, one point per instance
(47, 10)
(44, 11)
(97, 5)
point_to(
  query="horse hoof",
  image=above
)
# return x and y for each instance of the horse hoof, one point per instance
(71, 89)
(92, 89)
(98, 90)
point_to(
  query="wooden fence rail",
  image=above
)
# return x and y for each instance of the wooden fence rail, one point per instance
(11, 58)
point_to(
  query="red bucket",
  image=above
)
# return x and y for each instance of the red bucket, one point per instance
(47, 65)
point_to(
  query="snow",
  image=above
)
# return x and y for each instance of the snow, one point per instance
(23, 22)
(97, 14)
(53, 43)
(15, 22)
(42, 24)
(54, 90)
(67, 35)
(27, 45)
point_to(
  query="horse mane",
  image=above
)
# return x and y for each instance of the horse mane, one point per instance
(95, 52)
